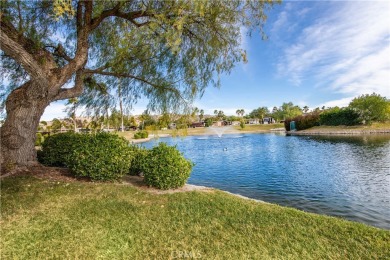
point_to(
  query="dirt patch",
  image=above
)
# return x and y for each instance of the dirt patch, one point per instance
(138, 182)
(46, 173)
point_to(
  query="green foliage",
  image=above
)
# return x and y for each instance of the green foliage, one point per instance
(303, 122)
(307, 121)
(56, 125)
(371, 108)
(166, 168)
(138, 159)
(287, 110)
(259, 113)
(141, 135)
(148, 44)
(56, 148)
(102, 156)
(208, 122)
(242, 124)
(337, 116)
(39, 138)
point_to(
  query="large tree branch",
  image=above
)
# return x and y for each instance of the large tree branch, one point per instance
(76, 91)
(129, 16)
(20, 55)
(84, 13)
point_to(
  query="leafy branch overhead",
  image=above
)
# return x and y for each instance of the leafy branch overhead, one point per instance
(167, 51)
(155, 47)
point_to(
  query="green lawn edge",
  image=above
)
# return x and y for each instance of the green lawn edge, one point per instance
(45, 219)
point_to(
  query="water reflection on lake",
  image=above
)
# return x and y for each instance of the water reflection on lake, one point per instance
(345, 176)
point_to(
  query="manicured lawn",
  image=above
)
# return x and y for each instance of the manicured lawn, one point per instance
(44, 219)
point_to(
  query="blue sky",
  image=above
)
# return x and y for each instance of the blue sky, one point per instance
(317, 54)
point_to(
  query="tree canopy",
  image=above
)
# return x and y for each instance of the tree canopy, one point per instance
(371, 108)
(168, 51)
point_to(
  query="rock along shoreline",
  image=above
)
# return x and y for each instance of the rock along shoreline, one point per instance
(340, 132)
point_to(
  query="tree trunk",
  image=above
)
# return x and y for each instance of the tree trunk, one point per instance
(25, 107)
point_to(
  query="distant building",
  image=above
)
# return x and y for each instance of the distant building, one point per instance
(220, 123)
(253, 121)
(268, 120)
(198, 124)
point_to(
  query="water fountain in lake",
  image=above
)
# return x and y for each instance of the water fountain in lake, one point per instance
(219, 130)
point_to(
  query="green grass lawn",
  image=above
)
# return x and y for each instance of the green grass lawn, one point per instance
(45, 219)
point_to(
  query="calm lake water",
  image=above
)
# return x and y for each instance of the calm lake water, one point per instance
(348, 177)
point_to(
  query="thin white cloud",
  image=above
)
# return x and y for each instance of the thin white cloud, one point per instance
(346, 49)
(344, 102)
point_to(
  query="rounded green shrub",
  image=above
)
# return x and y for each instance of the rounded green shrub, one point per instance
(56, 148)
(138, 159)
(141, 135)
(166, 168)
(102, 156)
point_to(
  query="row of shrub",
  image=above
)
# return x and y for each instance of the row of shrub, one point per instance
(332, 117)
(303, 122)
(105, 156)
(141, 135)
(340, 116)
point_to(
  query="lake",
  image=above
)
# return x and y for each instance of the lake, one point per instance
(343, 176)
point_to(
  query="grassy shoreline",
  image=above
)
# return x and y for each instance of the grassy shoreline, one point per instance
(43, 218)
(375, 128)
(203, 131)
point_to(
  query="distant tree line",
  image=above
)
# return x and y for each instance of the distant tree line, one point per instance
(365, 109)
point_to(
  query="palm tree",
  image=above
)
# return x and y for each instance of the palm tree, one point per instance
(305, 109)
(201, 114)
(195, 112)
(221, 114)
(242, 111)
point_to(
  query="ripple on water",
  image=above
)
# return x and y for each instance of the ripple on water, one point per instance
(348, 177)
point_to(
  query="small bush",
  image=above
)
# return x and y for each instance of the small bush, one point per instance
(101, 157)
(141, 135)
(56, 148)
(166, 168)
(138, 159)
